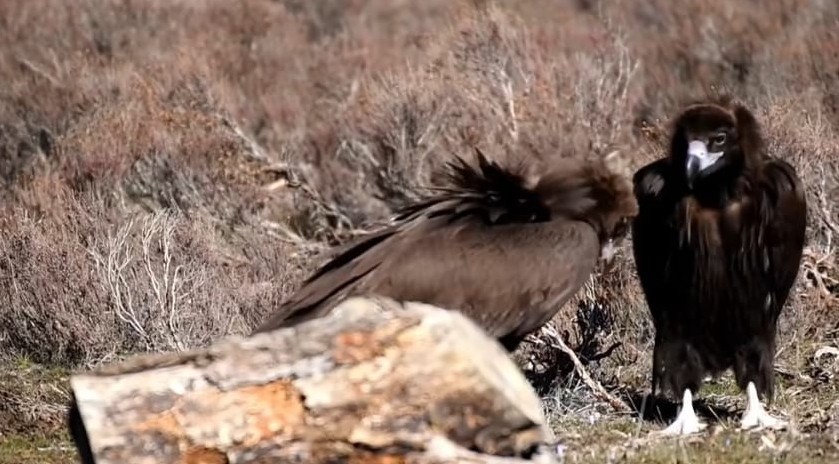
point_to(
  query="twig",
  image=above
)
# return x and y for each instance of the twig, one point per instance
(826, 216)
(511, 109)
(605, 353)
(34, 68)
(113, 265)
(595, 386)
(253, 148)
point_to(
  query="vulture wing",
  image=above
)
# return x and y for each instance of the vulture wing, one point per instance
(510, 279)
(654, 234)
(784, 217)
(332, 281)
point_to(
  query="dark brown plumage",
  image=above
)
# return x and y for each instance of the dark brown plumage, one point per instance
(505, 248)
(717, 242)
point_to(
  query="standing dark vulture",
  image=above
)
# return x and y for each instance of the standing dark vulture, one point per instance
(505, 248)
(717, 241)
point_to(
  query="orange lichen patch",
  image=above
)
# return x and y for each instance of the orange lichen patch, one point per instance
(385, 459)
(245, 416)
(202, 455)
(259, 412)
(166, 423)
(356, 347)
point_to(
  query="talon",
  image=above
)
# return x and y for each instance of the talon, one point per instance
(756, 416)
(687, 422)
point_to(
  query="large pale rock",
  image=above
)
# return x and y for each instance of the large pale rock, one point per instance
(375, 381)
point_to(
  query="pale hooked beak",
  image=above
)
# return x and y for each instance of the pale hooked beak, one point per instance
(699, 159)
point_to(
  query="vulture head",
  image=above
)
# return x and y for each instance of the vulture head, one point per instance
(616, 202)
(713, 140)
(599, 193)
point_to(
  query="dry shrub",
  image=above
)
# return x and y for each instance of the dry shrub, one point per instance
(79, 291)
(487, 84)
(51, 303)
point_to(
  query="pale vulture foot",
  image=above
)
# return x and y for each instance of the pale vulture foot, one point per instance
(756, 416)
(687, 422)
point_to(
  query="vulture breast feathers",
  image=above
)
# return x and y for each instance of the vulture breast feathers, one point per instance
(505, 248)
(717, 242)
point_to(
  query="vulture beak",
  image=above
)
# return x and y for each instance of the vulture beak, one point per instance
(699, 160)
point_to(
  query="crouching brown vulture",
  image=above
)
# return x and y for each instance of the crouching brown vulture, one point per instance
(717, 242)
(504, 246)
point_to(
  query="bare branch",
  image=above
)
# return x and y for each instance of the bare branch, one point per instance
(596, 388)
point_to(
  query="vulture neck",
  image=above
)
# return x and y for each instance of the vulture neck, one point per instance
(719, 188)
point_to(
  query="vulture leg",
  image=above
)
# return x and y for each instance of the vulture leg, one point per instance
(756, 415)
(687, 422)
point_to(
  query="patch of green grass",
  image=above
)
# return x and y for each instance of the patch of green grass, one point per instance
(724, 386)
(33, 401)
(33, 398)
(21, 449)
(24, 365)
(622, 440)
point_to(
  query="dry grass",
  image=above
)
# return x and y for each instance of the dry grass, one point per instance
(171, 170)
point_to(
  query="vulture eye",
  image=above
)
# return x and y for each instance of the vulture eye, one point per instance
(718, 139)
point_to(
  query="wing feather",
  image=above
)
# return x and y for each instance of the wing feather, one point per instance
(350, 264)
(544, 264)
(785, 222)
(654, 232)
(455, 266)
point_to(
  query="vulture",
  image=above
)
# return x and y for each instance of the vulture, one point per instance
(505, 247)
(717, 244)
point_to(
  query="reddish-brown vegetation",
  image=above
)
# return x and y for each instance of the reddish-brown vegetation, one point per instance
(169, 171)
